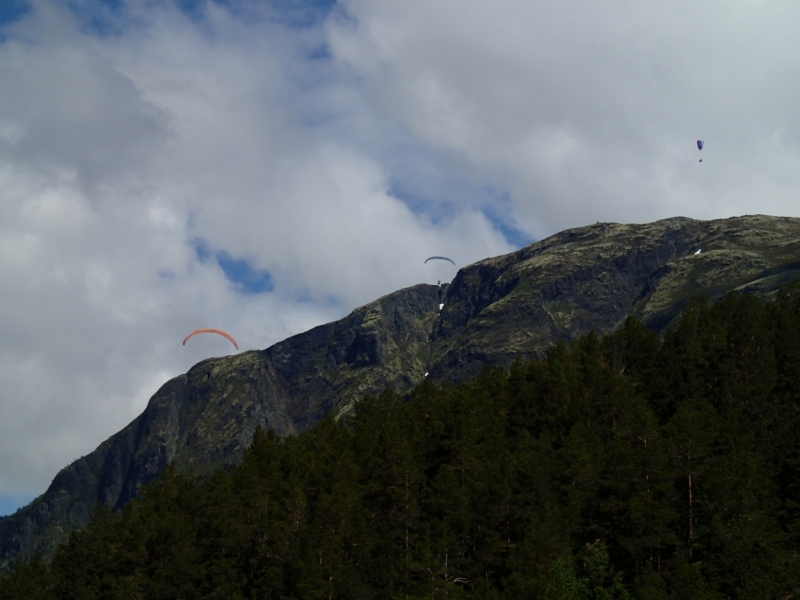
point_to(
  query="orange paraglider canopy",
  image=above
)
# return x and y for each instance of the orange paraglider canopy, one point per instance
(217, 331)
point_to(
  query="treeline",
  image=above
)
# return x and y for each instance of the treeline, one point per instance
(630, 466)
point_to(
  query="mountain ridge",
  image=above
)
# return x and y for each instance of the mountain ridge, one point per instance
(498, 309)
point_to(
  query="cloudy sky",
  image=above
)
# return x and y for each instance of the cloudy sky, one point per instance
(264, 166)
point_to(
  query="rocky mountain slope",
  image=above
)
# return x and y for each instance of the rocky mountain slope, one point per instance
(496, 310)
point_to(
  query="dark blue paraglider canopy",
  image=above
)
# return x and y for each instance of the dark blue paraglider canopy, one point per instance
(700, 144)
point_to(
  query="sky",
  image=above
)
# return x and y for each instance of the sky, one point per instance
(266, 166)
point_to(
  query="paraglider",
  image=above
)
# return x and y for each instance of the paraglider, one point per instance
(439, 283)
(217, 331)
(450, 260)
(700, 144)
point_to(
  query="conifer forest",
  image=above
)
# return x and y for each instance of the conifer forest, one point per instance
(628, 466)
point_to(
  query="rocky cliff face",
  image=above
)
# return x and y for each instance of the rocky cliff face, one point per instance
(594, 277)
(495, 310)
(206, 418)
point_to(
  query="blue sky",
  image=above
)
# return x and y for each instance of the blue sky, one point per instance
(265, 167)
(13, 10)
(9, 503)
(239, 271)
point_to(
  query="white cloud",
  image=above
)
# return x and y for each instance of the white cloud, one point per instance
(589, 111)
(119, 152)
(337, 157)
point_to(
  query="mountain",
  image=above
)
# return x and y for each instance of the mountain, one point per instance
(496, 310)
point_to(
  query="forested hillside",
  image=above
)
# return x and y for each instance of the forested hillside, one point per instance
(495, 311)
(632, 466)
